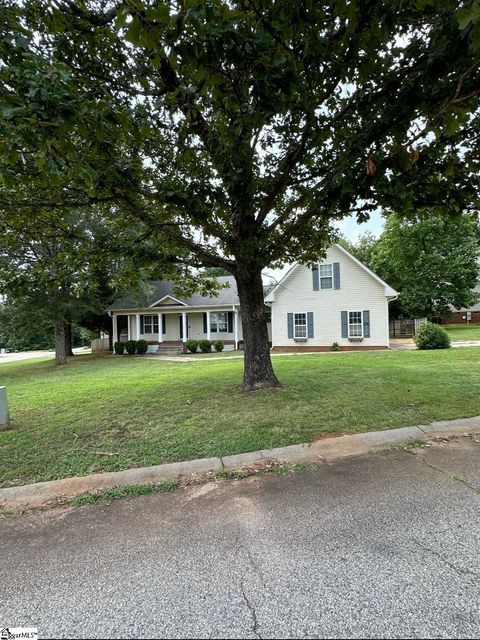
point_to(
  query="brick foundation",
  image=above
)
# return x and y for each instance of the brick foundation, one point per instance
(323, 349)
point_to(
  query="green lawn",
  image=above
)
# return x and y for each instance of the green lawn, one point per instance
(151, 411)
(463, 331)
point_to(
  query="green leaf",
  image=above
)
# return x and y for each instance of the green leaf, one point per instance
(468, 14)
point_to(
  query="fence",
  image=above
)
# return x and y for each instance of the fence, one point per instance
(100, 345)
(405, 327)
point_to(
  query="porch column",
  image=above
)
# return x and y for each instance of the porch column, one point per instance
(129, 333)
(137, 326)
(235, 329)
(114, 332)
(160, 327)
(209, 337)
(184, 326)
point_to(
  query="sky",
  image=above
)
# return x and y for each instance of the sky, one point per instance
(349, 227)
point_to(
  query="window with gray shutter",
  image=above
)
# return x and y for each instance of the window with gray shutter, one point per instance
(336, 275)
(316, 281)
(290, 326)
(344, 316)
(366, 324)
(310, 324)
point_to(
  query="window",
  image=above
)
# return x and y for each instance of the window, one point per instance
(219, 322)
(355, 324)
(300, 325)
(325, 273)
(150, 324)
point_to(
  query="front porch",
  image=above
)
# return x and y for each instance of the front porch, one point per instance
(169, 330)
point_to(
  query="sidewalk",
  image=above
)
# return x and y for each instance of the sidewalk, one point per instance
(324, 450)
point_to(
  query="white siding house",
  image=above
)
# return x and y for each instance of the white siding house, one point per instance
(339, 300)
(166, 321)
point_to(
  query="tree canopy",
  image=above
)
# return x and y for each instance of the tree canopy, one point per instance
(432, 261)
(240, 130)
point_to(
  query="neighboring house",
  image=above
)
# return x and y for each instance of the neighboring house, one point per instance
(339, 300)
(472, 314)
(168, 321)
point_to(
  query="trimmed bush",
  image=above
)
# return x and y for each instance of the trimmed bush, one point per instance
(119, 348)
(432, 336)
(192, 345)
(142, 346)
(130, 346)
(218, 345)
(335, 346)
(205, 346)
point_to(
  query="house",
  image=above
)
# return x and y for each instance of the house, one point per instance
(464, 315)
(168, 321)
(338, 300)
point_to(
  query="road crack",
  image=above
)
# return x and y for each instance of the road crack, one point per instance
(448, 475)
(458, 570)
(250, 606)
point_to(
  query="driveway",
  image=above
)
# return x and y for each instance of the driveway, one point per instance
(382, 545)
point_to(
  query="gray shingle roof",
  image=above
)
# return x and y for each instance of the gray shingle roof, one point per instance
(158, 289)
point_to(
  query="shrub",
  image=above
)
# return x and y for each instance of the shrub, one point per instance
(130, 346)
(205, 346)
(335, 346)
(218, 345)
(119, 348)
(432, 336)
(192, 345)
(142, 346)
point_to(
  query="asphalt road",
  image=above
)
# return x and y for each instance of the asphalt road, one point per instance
(383, 545)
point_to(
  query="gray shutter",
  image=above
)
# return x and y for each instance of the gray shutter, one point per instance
(164, 324)
(344, 324)
(310, 324)
(366, 324)
(316, 281)
(290, 325)
(336, 275)
(141, 324)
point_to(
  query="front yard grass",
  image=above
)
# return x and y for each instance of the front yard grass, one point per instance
(463, 331)
(110, 412)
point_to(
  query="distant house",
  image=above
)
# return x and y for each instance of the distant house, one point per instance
(338, 300)
(472, 314)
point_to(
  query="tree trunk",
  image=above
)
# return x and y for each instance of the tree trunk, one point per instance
(68, 340)
(60, 351)
(258, 371)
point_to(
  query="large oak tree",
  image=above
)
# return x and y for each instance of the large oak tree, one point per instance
(240, 130)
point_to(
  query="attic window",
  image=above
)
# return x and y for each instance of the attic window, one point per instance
(325, 273)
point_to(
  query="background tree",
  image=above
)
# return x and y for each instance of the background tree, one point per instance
(363, 248)
(240, 130)
(432, 261)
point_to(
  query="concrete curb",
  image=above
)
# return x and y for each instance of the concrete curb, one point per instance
(328, 449)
